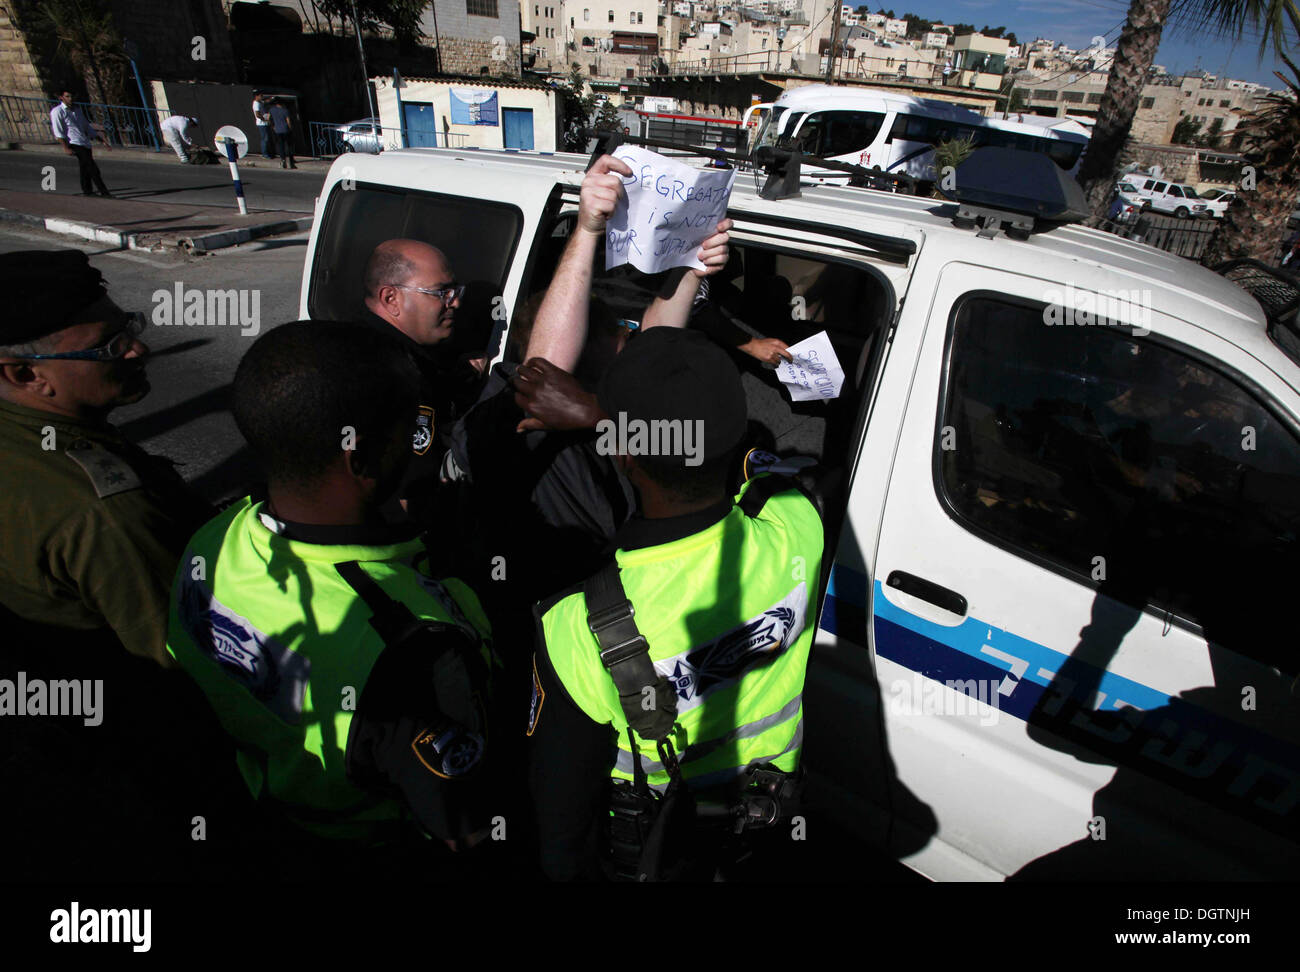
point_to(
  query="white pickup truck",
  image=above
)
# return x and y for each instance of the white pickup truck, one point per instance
(1052, 643)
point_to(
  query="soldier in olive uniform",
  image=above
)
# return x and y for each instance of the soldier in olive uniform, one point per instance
(91, 526)
(91, 532)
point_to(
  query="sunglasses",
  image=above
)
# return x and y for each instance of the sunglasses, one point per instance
(115, 347)
(448, 295)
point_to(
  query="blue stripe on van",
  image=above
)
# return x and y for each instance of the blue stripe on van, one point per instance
(1218, 759)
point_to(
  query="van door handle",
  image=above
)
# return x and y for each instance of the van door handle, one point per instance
(927, 591)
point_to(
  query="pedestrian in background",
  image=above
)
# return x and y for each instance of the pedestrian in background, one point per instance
(283, 126)
(262, 117)
(175, 131)
(73, 130)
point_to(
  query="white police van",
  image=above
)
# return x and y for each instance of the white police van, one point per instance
(1055, 640)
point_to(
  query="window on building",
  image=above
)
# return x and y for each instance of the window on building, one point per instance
(1094, 99)
(482, 8)
(1073, 97)
(1225, 103)
(631, 16)
(586, 14)
(611, 16)
(1090, 442)
(537, 10)
(640, 17)
(1148, 102)
(1045, 95)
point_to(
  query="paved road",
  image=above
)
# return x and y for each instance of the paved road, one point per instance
(266, 186)
(186, 416)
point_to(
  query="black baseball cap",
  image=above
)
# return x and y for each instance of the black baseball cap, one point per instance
(669, 373)
(44, 289)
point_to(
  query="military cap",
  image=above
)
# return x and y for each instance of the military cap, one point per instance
(44, 289)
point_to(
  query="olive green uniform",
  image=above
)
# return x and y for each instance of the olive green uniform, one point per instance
(91, 528)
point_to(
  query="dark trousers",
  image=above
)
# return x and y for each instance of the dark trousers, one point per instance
(89, 171)
(268, 143)
(285, 141)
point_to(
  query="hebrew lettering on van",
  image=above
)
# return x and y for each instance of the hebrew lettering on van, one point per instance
(668, 209)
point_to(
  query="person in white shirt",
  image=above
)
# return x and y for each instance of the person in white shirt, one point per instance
(173, 129)
(262, 115)
(73, 130)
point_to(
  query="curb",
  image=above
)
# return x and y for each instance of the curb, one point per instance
(218, 241)
(149, 241)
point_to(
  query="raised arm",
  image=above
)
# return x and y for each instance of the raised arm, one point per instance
(560, 329)
(675, 309)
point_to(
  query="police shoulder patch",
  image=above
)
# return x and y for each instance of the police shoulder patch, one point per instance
(109, 474)
(449, 751)
(423, 437)
(539, 696)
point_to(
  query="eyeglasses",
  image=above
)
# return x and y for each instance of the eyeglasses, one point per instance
(116, 347)
(448, 295)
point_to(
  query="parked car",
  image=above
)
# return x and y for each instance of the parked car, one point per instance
(362, 135)
(1053, 640)
(1127, 203)
(1217, 202)
(1176, 198)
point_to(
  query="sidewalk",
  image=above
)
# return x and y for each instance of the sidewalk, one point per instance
(145, 224)
(252, 160)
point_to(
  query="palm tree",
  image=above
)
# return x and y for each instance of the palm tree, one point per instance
(1256, 219)
(1135, 53)
(86, 32)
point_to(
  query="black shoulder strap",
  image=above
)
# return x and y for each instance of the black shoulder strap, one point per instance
(391, 619)
(394, 622)
(763, 489)
(626, 655)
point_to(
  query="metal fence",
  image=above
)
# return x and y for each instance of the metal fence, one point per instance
(28, 120)
(1183, 237)
(329, 139)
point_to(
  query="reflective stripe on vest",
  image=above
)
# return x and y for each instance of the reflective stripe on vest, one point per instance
(282, 647)
(728, 616)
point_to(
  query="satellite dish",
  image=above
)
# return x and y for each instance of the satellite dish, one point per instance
(231, 133)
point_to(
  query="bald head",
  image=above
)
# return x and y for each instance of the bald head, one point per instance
(396, 273)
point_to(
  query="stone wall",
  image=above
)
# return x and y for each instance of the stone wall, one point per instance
(18, 72)
(469, 56)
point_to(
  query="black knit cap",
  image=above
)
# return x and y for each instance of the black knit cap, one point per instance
(43, 290)
(674, 373)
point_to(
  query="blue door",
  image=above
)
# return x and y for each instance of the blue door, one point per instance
(519, 128)
(421, 124)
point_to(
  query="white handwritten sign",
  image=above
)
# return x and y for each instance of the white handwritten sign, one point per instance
(815, 373)
(668, 210)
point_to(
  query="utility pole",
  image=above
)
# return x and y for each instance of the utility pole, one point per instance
(835, 36)
(365, 74)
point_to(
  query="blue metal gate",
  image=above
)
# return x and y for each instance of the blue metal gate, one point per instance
(421, 124)
(518, 127)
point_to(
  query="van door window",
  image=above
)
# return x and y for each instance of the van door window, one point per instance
(762, 292)
(478, 236)
(1089, 443)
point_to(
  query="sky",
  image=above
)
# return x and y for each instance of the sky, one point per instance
(1076, 22)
